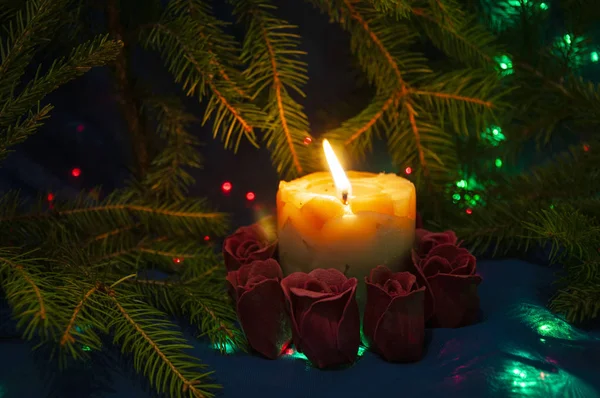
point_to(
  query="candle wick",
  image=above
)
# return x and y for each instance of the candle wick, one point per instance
(345, 197)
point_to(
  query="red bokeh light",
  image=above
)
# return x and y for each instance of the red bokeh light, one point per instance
(177, 260)
(50, 197)
(80, 128)
(469, 211)
(250, 196)
(307, 140)
(76, 172)
(408, 170)
(207, 238)
(586, 147)
(226, 187)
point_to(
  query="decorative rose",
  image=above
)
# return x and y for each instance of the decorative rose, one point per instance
(394, 320)
(426, 240)
(260, 305)
(324, 314)
(246, 245)
(450, 272)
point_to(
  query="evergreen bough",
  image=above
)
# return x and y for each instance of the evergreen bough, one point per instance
(76, 272)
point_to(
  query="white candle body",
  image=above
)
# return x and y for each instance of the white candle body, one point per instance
(315, 230)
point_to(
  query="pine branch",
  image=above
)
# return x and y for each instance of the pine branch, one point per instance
(271, 51)
(158, 350)
(19, 132)
(30, 292)
(196, 52)
(27, 29)
(83, 57)
(201, 299)
(463, 38)
(167, 178)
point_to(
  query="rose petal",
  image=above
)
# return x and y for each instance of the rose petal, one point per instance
(269, 268)
(416, 268)
(433, 265)
(380, 275)
(464, 264)
(377, 302)
(315, 285)
(400, 332)
(261, 313)
(331, 276)
(349, 327)
(319, 329)
(263, 253)
(407, 280)
(448, 251)
(310, 293)
(457, 301)
(296, 307)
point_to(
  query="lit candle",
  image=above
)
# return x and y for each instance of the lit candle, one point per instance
(352, 222)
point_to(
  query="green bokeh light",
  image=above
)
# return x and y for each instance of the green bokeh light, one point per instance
(498, 162)
(505, 66)
(493, 135)
(594, 56)
(544, 6)
(547, 324)
(573, 49)
(225, 348)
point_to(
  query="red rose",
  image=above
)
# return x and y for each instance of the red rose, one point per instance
(451, 274)
(324, 314)
(426, 240)
(394, 319)
(246, 245)
(260, 305)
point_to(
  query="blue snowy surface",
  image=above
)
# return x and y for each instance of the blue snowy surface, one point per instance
(519, 349)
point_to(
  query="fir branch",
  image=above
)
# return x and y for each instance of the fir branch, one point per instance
(29, 291)
(463, 38)
(158, 349)
(271, 51)
(196, 51)
(83, 57)
(167, 177)
(19, 132)
(29, 28)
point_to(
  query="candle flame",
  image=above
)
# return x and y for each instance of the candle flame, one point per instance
(340, 180)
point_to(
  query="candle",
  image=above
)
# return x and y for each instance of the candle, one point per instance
(351, 221)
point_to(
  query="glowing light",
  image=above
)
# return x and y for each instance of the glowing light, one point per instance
(50, 197)
(86, 348)
(456, 196)
(76, 172)
(544, 6)
(225, 348)
(594, 56)
(250, 196)
(504, 64)
(408, 170)
(586, 147)
(498, 162)
(307, 140)
(461, 184)
(226, 187)
(342, 184)
(177, 260)
(493, 135)
(206, 238)
(567, 39)
(80, 128)
(469, 211)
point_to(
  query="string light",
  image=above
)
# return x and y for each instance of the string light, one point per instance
(469, 211)
(226, 187)
(498, 162)
(505, 65)
(307, 140)
(76, 172)
(80, 128)
(206, 238)
(408, 170)
(50, 197)
(594, 56)
(177, 260)
(586, 147)
(250, 196)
